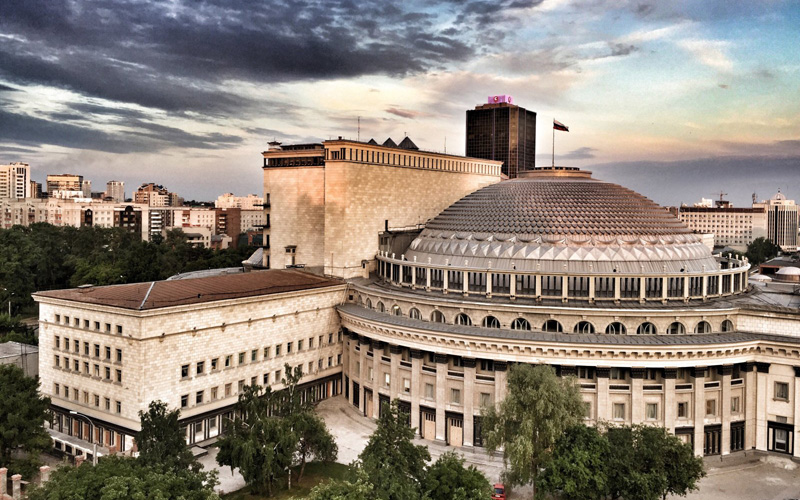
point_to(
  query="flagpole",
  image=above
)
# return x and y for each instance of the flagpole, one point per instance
(554, 145)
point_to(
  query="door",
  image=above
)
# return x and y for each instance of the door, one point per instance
(368, 403)
(429, 425)
(455, 432)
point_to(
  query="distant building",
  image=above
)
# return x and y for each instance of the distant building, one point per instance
(22, 355)
(781, 221)
(249, 202)
(156, 195)
(86, 187)
(36, 189)
(15, 179)
(731, 227)
(116, 191)
(502, 131)
(64, 182)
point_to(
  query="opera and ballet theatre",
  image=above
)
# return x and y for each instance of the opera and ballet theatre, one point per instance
(393, 273)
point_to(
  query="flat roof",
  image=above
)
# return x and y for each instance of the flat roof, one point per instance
(159, 294)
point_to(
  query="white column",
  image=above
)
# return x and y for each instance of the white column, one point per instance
(603, 408)
(637, 395)
(699, 410)
(469, 400)
(396, 387)
(725, 401)
(762, 376)
(464, 283)
(670, 406)
(416, 387)
(441, 394)
(750, 395)
(488, 285)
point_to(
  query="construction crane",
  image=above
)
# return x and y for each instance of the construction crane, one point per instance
(722, 202)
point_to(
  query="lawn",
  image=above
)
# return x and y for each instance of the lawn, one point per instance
(315, 473)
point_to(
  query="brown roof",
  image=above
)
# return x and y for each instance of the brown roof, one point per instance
(157, 294)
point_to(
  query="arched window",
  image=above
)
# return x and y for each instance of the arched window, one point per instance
(676, 328)
(380, 307)
(413, 313)
(463, 319)
(520, 324)
(369, 304)
(437, 317)
(703, 327)
(727, 326)
(646, 329)
(616, 328)
(396, 310)
(491, 322)
(553, 326)
(584, 327)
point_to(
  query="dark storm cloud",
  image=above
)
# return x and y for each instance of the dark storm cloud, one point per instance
(175, 56)
(6, 88)
(58, 130)
(4, 150)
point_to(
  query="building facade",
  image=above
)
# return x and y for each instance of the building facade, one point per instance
(156, 195)
(319, 196)
(731, 227)
(502, 131)
(107, 352)
(116, 191)
(15, 179)
(781, 221)
(249, 202)
(64, 182)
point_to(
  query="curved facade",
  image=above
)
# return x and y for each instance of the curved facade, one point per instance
(589, 277)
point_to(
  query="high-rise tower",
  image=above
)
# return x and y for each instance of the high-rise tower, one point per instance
(500, 130)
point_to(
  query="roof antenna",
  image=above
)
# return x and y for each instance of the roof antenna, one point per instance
(445, 144)
(359, 129)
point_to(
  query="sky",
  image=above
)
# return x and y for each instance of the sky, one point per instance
(678, 100)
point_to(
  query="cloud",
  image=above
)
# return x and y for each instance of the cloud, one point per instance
(711, 53)
(580, 154)
(723, 86)
(6, 88)
(403, 113)
(621, 49)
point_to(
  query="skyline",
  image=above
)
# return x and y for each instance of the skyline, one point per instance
(169, 93)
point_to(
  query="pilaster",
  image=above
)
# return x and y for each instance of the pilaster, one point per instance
(416, 386)
(762, 375)
(603, 409)
(469, 400)
(699, 410)
(670, 406)
(725, 401)
(637, 395)
(441, 395)
(500, 380)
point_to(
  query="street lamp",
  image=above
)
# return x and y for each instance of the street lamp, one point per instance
(94, 441)
(10, 294)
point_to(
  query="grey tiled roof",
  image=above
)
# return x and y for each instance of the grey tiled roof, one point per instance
(595, 339)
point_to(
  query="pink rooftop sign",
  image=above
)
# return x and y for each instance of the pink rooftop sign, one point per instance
(494, 99)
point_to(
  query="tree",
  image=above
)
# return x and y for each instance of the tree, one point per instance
(117, 478)
(393, 464)
(314, 440)
(161, 441)
(22, 412)
(648, 463)
(257, 444)
(357, 488)
(761, 250)
(577, 467)
(538, 408)
(448, 479)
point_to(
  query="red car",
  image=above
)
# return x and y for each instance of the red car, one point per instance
(499, 492)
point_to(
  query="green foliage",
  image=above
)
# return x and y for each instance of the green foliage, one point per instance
(577, 468)
(761, 250)
(448, 479)
(13, 330)
(647, 463)
(161, 441)
(394, 465)
(270, 431)
(46, 257)
(22, 412)
(537, 410)
(357, 488)
(118, 478)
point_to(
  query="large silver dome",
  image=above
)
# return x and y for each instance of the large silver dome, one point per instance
(560, 220)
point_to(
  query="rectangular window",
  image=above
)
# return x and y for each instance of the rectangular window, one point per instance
(97, 350)
(97, 370)
(86, 323)
(201, 365)
(66, 320)
(330, 338)
(108, 327)
(266, 379)
(228, 389)
(97, 325)
(735, 404)
(311, 342)
(85, 397)
(241, 358)
(241, 385)
(429, 391)
(85, 348)
(617, 374)
(651, 411)
(184, 401)
(119, 332)
(119, 407)
(310, 366)
(266, 352)
(387, 379)
(619, 411)
(277, 376)
(330, 361)
(108, 352)
(253, 380)
(108, 373)
(288, 348)
(77, 346)
(107, 403)
(214, 364)
(77, 365)
(228, 361)
(406, 385)
(86, 368)
(97, 400)
(782, 391)
(184, 371)
(119, 376)
(56, 389)
(198, 398)
(319, 364)
(278, 350)
(455, 396)
(711, 407)
(119, 355)
(57, 360)
(338, 359)
(369, 373)
(213, 393)
(254, 355)
(58, 318)
(299, 345)
(58, 342)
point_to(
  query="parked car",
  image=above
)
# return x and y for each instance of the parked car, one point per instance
(499, 492)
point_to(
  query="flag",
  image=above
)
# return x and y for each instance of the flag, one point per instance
(557, 125)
